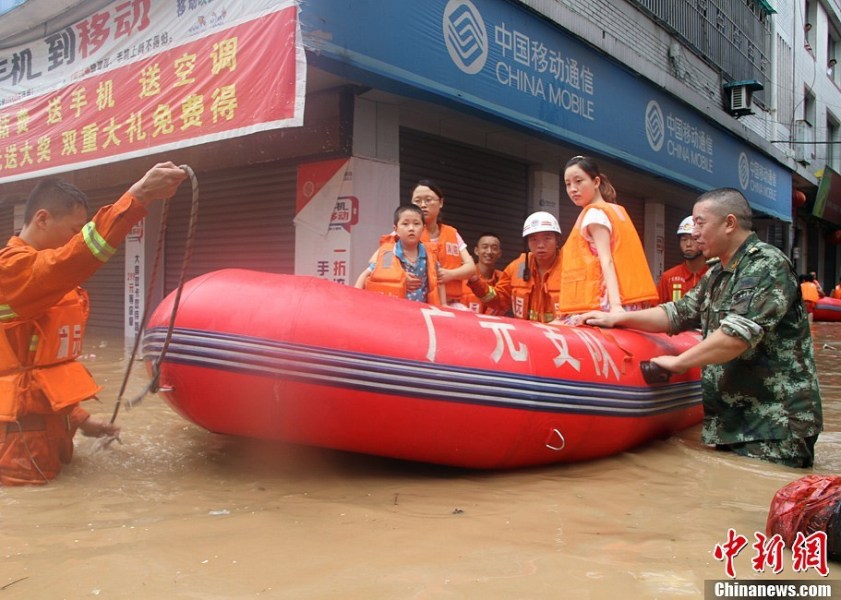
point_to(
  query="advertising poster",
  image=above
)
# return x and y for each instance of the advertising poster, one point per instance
(343, 207)
(147, 76)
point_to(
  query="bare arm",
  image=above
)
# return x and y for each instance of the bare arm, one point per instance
(601, 239)
(364, 275)
(715, 349)
(467, 268)
(442, 292)
(654, 319)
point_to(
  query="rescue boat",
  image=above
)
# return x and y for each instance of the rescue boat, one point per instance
(313, 362)
(827, 309)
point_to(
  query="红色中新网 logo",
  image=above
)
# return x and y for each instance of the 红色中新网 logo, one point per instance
(465, 36)
(655, 126)
(744, 170)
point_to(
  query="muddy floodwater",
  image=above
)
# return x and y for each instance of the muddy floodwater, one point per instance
(177, 512)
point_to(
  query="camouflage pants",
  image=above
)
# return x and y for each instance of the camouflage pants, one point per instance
(792, 452)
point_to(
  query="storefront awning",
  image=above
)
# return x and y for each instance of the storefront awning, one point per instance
(766, 6)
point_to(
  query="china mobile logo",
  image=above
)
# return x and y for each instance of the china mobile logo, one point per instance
(744, 170)
(655, 126)
(808, 552)
(465, 36)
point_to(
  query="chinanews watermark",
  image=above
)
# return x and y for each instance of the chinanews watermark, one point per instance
(808, 553)
(784, 588)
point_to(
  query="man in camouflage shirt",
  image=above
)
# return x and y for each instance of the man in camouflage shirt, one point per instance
(759, 382)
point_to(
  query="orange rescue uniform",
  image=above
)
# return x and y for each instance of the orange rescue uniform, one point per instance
(529, 297)
(675, 282)
(42, 322)
(582, 283)
(471, 301)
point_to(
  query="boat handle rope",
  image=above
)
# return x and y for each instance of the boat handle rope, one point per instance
(629, 356)
(651, 372)
(554, 431)
(153, 385)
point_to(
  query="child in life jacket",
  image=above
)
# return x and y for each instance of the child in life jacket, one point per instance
(405, 255)
(530, 285)
(604, 265)
(456, 263)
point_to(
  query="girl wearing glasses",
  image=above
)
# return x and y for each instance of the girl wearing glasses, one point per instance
(456, 263)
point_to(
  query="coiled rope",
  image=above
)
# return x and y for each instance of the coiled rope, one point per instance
(153, 385)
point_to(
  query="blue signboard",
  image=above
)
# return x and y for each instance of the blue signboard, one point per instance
(8, 5)
(499, 58)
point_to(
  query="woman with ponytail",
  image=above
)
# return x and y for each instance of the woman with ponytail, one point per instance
(604, 265)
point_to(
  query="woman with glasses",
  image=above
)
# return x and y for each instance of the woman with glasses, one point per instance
(456, 263)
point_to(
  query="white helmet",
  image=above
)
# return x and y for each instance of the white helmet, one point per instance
(686, 226)
(540, 221)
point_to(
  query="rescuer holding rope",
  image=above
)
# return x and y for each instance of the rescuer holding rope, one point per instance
(43, 312)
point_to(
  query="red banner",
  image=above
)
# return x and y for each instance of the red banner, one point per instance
(232, 82)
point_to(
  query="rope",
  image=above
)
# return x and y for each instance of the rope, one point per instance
(153, 387)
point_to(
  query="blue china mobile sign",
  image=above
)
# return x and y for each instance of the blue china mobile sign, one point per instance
(498, 58)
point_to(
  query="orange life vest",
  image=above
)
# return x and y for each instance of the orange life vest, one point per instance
(389, 277)
(810, 292)
(836, 293)
(581, 279)
(532, 298)
(449, 256)
(38, 369)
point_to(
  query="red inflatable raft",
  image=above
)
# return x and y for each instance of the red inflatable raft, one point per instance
(827, 309)
(313, 362)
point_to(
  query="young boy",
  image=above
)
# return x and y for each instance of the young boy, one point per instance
(389, 265)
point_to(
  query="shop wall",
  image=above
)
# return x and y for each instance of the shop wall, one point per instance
(674, 216)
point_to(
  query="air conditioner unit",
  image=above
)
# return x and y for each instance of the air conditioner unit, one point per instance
(737, 96)
(739, 99)
(804, 142)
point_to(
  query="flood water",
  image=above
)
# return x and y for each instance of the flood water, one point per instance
(176, 512)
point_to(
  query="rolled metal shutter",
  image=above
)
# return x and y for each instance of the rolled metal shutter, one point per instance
(7, 222)
(567, 213)
(636, 210)
(245, 220)
(482, 191)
